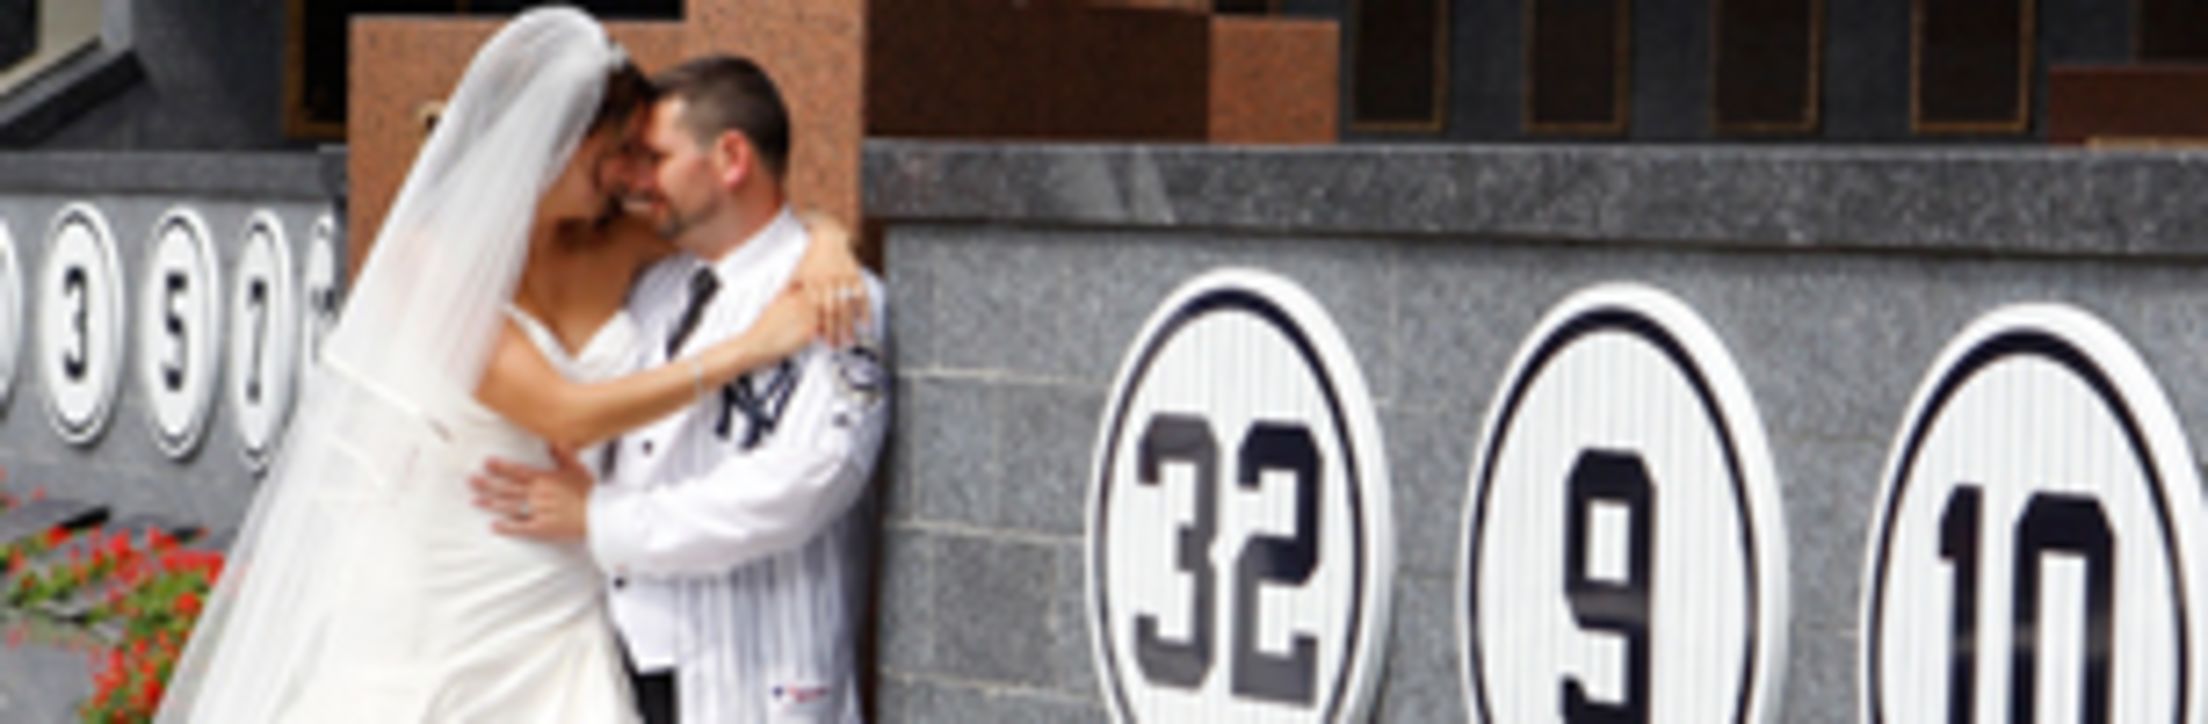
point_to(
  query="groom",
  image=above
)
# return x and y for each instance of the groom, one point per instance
(730, 531)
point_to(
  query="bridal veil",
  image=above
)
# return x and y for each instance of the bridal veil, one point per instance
(411, 343)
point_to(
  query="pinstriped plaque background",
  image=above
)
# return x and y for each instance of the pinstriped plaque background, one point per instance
(2034, 404)
(1628, 372)
(1233, 350)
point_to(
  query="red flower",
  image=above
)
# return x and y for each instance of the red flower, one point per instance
(160, 541)
(56, 536)
(187, 604)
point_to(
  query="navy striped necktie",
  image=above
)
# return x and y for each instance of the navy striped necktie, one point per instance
(703, 285)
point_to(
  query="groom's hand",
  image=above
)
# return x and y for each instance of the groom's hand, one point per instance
(532, 502)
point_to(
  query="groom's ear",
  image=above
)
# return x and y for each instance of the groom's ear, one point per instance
(737, 158)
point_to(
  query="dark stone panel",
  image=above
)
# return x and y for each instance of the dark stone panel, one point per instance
(2172, 30)
(1866, 70)
(1396, 57)
(18, 30)
(1971, 66)
(1766, 53)
(1670, 71)
(1580, 62)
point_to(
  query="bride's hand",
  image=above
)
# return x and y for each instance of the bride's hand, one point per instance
(830, 276)
(787, 326)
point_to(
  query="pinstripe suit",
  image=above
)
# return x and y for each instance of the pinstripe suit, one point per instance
(731, 532)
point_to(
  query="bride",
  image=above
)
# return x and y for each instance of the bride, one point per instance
(363, 586)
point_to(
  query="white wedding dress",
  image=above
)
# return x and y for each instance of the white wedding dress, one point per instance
(445, 620)
(471, 626)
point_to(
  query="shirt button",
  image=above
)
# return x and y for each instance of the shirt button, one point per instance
(647, 447)
(620, 582)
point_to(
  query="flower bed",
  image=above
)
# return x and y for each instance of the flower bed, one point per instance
(126, 599)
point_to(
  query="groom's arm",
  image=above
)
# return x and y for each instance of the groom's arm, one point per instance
(770, 499)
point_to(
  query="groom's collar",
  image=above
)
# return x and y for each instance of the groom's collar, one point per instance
(778, 234)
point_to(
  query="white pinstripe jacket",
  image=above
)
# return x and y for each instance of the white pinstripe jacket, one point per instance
(733, 541)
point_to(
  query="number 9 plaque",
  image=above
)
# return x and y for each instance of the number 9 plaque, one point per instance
(1624, 552)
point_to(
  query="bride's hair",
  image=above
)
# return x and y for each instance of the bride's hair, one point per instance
(627, 92)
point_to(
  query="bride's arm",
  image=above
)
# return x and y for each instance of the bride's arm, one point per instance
(522, 386)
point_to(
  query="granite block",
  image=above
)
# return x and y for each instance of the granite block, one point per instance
(1048, 438)
(1799, 331)
(1464, 313)
(1430, 457)
(913, 318)
(1073, 651)
(992, 602)
(926, 700)
(1423, 680)
(953, 463)
(906, 637)
(1820, 677)
(1075, 320)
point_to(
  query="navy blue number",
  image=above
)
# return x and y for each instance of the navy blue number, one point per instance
(172, 371)
(1620, 608)
(1285, 560)
(1188, 440)
(1288, 561)
(2051, 523)
(77, 360)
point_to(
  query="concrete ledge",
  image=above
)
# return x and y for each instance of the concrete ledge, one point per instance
(295, 175)
(2010, 200)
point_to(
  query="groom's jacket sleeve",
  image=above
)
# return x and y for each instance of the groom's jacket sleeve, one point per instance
(760, 502)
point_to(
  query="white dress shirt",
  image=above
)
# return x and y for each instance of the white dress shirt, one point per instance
(731, 539)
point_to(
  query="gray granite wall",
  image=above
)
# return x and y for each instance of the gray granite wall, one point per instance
(1020, 274)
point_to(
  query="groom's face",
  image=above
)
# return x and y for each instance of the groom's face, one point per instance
(683, 189)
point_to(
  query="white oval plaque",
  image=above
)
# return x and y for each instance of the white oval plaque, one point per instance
(180, 318)
(80, 323)
(263, 352)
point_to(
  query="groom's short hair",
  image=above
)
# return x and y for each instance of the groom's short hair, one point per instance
(722, 93)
